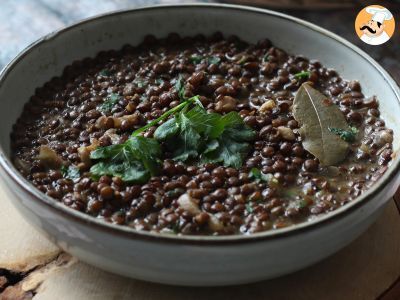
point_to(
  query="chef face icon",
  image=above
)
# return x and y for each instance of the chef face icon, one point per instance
(375, 25)
(373, 28)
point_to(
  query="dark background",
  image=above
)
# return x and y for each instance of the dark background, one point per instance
(24, 21)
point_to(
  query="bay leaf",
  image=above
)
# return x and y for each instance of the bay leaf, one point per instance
(316, 113)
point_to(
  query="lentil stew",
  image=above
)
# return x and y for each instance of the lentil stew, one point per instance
(196, 135)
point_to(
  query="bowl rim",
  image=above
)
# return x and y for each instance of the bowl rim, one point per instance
(128, 232)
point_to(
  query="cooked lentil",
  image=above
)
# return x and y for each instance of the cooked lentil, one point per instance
(70, 116)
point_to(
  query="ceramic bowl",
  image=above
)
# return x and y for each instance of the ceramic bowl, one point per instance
(192, 260)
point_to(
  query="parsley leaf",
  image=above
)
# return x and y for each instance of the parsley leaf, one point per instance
(159, 81)
(265, 58)
(232, 141)
(230, 151)
(259, 176)
(191, 133)
(182, 134)
(303, 74)
(346, 135)
(70, 172)
(166, 130)
(213, 60)
(210, 136)
(229, 120)
(196, 59)
(148, 151)
(128, 171)
(188, 141)
(136, 160)
(249, 208)
(140, 82)
(300, 204)
(109, 103)
(180, 88)
(105, 73)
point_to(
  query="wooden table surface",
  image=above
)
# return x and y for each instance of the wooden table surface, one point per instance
(32, 267)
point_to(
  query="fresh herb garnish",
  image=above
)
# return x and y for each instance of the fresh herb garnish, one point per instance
(346, 135)
(304, 202)
(185, 103)
(192, 133)
(265, 58)
(70, 172)
(249, 208)
(196, 59)
(159, 81)
(259, 176)
(175, 227)
(105, 73)
(175, 193)
(210, 136)
(109, 103)
(182, 133)
(229, 140)
(213, 60)
(140, 83)
(180, 88)
(301, 204)
(135, 160)
(303, 74)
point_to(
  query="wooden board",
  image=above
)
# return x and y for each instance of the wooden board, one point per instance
(33, 267)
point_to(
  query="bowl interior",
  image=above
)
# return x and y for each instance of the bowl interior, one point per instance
(47, 58)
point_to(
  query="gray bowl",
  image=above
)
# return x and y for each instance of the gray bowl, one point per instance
(192, 260)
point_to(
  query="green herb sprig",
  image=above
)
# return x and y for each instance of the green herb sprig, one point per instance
(140, 82)
(109, 103)
(213, 60)
(184, 103)
(249, 205)
(136, 160)
(303, 74)
(259, 176)
(195, 133)
(346, 135)
(192, 134)
(71, 172)
(249, 208)
(211, 137)
(196, 59)
(105, 73)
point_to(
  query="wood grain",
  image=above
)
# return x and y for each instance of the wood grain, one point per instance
(21, 248)
(393, 291)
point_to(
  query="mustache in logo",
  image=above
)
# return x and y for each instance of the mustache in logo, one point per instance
(368, 28)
